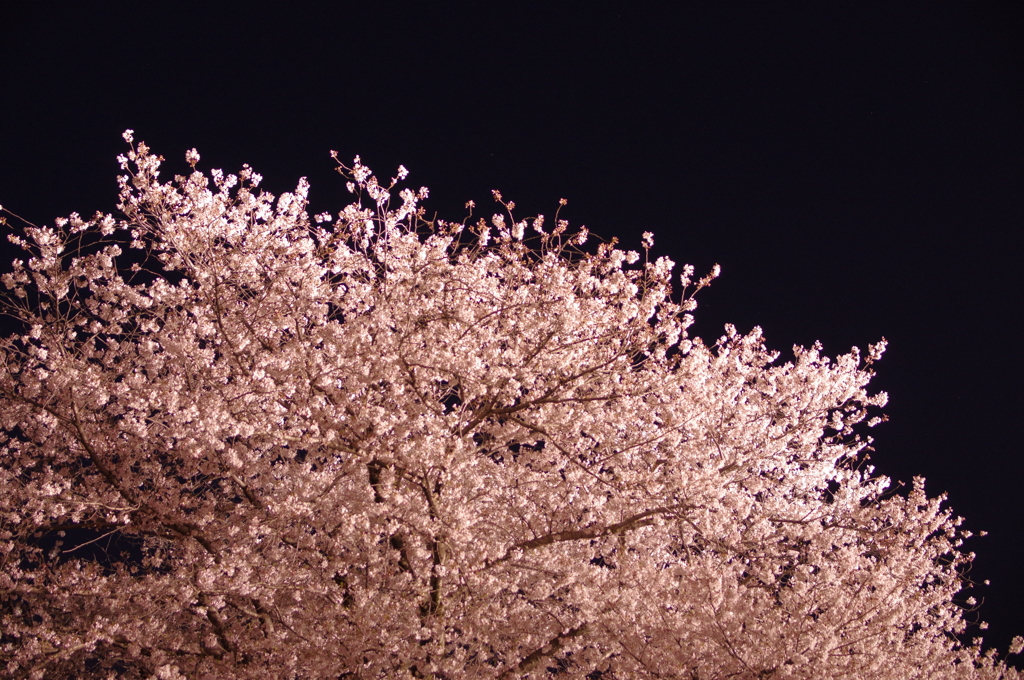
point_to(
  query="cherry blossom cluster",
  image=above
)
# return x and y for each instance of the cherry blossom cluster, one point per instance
(240, 441)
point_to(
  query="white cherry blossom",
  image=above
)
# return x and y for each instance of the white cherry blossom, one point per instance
(370, 446)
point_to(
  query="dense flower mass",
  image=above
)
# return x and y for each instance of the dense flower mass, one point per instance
(238, 442)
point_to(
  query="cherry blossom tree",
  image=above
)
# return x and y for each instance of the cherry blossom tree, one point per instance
(366, 445)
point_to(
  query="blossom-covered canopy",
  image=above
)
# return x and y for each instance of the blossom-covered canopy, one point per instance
(368, 446)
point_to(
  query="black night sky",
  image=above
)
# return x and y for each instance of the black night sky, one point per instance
(857, 168)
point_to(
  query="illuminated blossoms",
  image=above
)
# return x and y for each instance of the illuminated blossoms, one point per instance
(364, 446)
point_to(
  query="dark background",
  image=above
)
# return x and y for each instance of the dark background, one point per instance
(855, 167)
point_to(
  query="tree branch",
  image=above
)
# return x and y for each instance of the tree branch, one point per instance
(637, 521)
